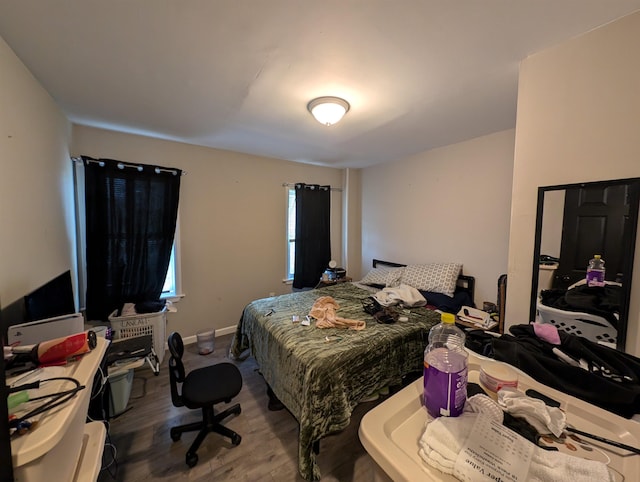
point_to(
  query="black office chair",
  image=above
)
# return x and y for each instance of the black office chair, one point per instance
(202, 388)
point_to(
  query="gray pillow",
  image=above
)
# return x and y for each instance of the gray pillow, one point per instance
(386, 277)
(436, 277)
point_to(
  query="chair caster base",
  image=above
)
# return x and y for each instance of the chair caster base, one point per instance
(191, 459)
(175, 435)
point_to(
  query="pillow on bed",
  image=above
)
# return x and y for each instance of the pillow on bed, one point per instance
(436, 277)
(383, 277)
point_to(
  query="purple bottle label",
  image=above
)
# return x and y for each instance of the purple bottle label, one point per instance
(595, 277)
(444, 392)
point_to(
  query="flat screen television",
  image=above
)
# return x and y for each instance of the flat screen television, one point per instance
(54, 298)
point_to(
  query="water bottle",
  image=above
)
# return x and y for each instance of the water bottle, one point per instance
(595, 271)
(445, 369)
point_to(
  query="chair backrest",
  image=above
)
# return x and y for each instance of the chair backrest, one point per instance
(176, 367)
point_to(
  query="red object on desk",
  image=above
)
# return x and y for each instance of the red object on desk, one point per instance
(59, 350)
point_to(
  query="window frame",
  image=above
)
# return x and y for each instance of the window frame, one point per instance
(290, 238)
(175, 294)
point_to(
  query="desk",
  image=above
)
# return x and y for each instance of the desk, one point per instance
(62, 447)
(390, 431)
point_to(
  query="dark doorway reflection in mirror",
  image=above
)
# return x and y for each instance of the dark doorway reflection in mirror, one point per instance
(574, 222)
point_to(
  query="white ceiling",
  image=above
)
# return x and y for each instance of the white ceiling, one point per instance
(238, 74)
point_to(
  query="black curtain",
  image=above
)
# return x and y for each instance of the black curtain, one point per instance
(313, 237)
(131, 213)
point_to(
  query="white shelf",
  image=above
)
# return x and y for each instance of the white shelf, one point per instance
(53, 449)
(88, 467)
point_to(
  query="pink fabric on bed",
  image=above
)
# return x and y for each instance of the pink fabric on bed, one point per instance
(324, 311)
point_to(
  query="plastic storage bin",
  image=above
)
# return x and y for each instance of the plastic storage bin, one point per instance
(120, 387)
(154, 324)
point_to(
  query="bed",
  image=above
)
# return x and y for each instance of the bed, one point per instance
(320, 375)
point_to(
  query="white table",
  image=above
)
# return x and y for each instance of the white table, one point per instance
(390, 431)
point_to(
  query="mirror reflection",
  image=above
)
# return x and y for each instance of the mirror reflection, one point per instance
(574, 224)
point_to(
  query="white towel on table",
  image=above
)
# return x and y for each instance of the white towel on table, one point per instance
(445, 437)
(540, 416)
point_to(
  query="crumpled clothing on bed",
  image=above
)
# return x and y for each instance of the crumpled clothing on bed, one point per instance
(324, 311)
(404, 294)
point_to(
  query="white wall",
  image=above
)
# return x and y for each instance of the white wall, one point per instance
(232, 221)
(578, 118)
(450, 204)
(351, 223)
(36, 198)
(551, 230)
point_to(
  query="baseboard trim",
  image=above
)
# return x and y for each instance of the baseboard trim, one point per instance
(189, 340)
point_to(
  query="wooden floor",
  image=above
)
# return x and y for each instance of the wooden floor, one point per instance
(144, 451)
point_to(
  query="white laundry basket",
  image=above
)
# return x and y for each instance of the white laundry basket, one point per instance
(154, 324)
(592, 327)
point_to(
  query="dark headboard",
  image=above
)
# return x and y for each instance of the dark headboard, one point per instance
(465, 283)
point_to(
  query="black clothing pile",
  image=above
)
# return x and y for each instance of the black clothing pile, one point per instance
(142, 307)
(150, 306)
(603, 301)
(610, 380)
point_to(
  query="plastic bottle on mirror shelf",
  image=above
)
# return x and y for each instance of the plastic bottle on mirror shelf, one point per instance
(595, 271)
(445, 369)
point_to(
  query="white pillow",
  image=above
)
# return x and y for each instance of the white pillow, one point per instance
(383, 277)
(436, 277)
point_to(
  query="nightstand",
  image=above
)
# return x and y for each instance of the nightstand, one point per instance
(322, 283)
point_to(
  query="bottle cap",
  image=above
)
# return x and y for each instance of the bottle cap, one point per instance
(596, 256)
(448, 318)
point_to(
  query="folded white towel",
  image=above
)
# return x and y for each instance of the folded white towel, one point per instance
(447, 442)
(445, 437)
(485, 405)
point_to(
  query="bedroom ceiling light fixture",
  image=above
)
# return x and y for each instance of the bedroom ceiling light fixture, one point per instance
(328, 110)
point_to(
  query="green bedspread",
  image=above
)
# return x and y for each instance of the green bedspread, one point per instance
(321, 380)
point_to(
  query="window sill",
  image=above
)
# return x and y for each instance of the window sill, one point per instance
(172, 298)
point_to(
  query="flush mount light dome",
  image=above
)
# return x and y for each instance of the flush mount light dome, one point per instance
(328, 110)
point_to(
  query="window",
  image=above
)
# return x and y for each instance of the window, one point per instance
(172, 288)
(291, 233)
(169, 288)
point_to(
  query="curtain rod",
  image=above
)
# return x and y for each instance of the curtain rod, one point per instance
(122, 165)
(293, 184)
